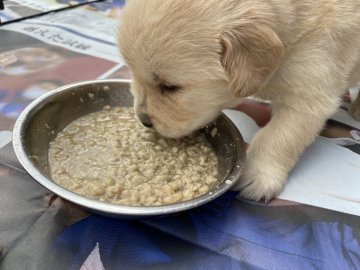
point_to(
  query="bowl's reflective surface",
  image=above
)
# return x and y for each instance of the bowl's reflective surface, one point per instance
(45, 117)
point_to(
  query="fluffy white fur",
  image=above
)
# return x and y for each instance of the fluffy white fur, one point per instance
(192, 58)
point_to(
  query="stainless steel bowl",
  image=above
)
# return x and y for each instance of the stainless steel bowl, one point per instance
(45, 117)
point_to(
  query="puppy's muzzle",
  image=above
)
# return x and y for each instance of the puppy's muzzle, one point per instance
(145, 120)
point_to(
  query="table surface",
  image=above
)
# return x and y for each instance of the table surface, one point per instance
(39, 230)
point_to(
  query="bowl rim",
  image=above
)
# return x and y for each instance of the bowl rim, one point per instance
(92, 204)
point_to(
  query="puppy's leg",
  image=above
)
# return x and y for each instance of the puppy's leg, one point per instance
(276, 148)
(354, 109)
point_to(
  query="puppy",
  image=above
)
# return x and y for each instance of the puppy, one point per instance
(191, 59)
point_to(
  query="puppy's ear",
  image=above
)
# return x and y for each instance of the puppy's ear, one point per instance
(250, 55)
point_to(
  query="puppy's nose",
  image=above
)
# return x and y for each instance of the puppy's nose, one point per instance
(145, 120)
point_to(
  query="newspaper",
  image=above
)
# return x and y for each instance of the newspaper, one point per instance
(40, 54)
(17, 9)
(90, 29)
(328, 172)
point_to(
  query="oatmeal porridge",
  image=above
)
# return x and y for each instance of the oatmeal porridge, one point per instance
(109, 156)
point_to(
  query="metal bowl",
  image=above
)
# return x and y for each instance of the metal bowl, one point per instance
(51, 113)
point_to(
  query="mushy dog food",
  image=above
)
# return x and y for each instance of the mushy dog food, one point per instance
(109, 156)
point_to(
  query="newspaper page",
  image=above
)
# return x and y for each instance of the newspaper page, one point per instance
(90, 29)
(16, 9)
(39, 55)
(328, 172)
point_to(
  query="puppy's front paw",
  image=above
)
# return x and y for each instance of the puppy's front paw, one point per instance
(260, 182)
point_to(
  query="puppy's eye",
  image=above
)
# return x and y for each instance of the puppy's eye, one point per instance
(164, 87)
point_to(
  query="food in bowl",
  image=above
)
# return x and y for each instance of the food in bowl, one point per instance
(108, 156)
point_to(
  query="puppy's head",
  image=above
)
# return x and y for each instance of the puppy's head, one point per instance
(187, 65)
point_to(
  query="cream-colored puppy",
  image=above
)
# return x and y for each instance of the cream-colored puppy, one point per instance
(192, 58)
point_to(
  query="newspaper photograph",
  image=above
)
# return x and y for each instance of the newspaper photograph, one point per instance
(35, 67)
